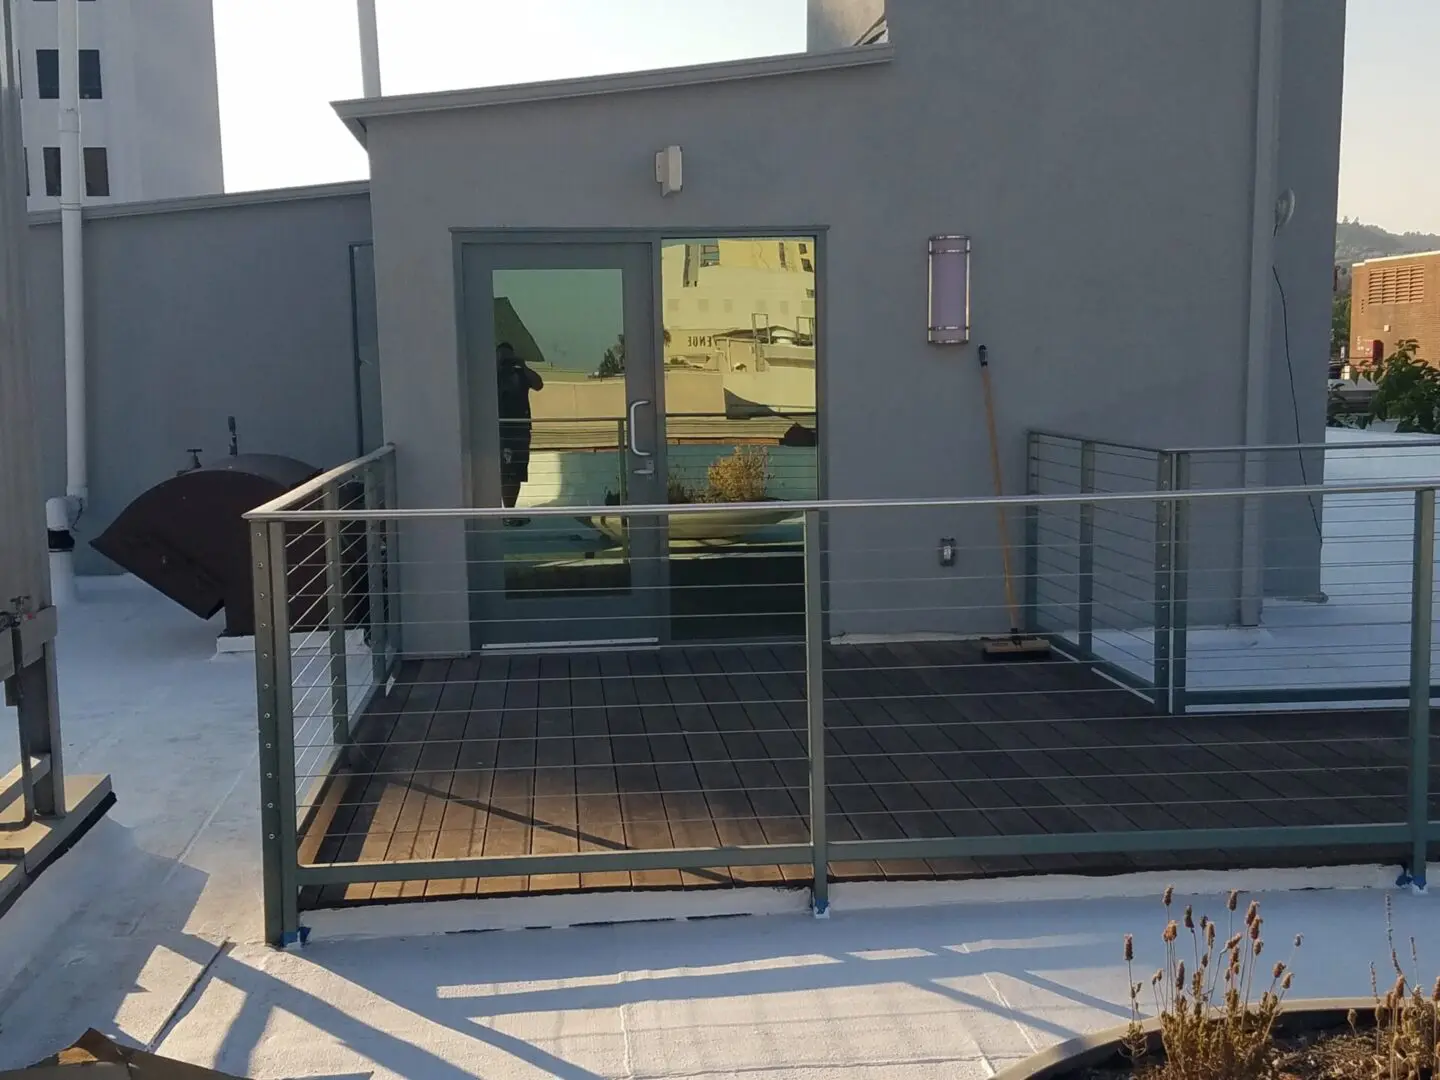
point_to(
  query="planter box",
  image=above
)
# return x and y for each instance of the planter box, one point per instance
(1107, 1048)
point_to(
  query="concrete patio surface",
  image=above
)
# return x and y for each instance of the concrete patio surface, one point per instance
(150, 930)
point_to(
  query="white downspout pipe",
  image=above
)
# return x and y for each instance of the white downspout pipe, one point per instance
(369, 48)
(1265, 192)
(72, 182)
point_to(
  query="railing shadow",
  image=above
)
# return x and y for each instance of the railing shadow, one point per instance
(615, 968)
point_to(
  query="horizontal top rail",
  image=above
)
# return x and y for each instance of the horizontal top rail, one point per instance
(768, 414)
(1254, 448)
(317, 485)
(265, 513)
(1373, 444)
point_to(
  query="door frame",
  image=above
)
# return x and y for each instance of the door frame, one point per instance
(463, 237)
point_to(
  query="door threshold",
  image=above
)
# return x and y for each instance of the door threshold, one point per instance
(592, 645)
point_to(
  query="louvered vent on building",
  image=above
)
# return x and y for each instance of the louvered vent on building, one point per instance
(1396, 285)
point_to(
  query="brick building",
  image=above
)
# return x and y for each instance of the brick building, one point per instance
(1390, 302)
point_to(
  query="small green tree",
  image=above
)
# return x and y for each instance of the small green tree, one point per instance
(613, 362)
(1407, 391)
(1339, 324)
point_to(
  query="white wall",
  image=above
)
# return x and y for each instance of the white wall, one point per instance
(159, 118)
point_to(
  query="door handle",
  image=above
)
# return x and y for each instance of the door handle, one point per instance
(634, 446)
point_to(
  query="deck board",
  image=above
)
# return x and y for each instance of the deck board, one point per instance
(685, 747)
(597, 794)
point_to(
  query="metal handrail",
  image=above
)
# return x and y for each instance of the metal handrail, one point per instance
(271, 510)
(1373, 444)
(781, 413)
(1167, 686)
(268, 513)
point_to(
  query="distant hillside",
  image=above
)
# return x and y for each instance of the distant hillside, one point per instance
(1356, 242)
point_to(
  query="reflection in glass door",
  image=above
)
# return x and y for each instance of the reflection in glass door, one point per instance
(560, 375)
(739, 426)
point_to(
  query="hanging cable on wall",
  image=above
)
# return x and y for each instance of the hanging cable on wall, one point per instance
(1284, 211)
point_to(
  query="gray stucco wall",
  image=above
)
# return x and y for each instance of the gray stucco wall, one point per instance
(838, 24)
(23, 568)
(1309, 164)
(197, 310)
(1107, 185)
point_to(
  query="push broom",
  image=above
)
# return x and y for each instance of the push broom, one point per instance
(1018, 645)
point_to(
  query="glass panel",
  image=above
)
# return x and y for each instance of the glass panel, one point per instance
(561, 397)
(740, 426)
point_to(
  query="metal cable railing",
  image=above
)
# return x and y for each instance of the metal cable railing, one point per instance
(457, 702)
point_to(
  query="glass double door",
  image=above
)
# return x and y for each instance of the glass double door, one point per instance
(603, 375)
(560, 377)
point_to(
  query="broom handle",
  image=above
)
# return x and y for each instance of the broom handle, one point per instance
(999, 490)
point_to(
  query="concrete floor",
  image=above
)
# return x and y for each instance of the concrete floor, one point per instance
(149, 929)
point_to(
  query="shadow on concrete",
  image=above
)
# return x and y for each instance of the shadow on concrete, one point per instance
(76, 945)
(730, 959)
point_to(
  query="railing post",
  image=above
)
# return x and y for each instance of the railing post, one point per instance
(1421, 634)
(35, 689)
(1086, 584)
(287, 916)
(815, 712)
(620, 443)
(374, 584)
(1164, 555)
(1031, 593)
(1179, 582)
(393, 612)
(335, 606)
(268, 706)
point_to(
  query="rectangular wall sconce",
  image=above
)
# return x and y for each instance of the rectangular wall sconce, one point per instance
(669, 170)
(949, 290)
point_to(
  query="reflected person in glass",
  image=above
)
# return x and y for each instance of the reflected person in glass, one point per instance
(516, 381)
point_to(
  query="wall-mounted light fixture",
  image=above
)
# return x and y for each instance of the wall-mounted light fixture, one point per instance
(668, 170)
(949, 290)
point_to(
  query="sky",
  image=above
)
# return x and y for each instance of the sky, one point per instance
(282, 62)
(1390, 142)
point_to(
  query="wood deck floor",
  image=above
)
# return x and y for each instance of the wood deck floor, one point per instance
(692, 747)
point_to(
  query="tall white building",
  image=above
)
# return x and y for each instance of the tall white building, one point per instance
(149, 103)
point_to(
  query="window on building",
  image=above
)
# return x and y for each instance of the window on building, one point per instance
(97, 171)
(52, 170)
(90, 88)
(47, 72)
(807, 266)
(710, 253)
(784, 256)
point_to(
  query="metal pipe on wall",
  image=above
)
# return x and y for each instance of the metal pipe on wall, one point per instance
(369, 48)
(61, 515)
(1270, 45)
